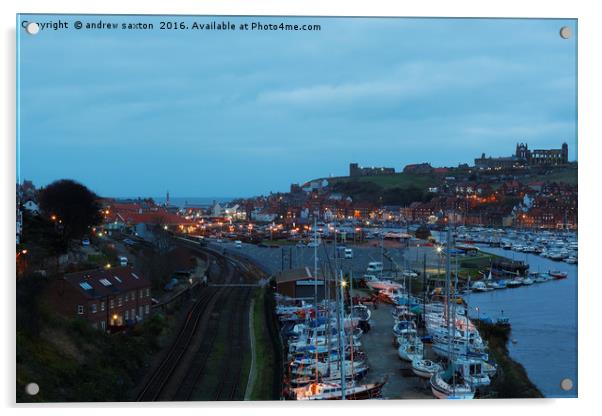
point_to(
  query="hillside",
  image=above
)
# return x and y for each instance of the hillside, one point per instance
(399, 180)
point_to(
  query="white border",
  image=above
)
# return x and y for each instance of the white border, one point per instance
(590, 31)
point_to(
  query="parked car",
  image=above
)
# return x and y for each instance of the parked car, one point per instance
(238, 244)
(374, 266)
(348, 253)
(123, 261)
(85, 242)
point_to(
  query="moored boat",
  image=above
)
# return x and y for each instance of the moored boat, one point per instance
(425, 368)
(557, 274)
(445, 385)
(334, 391)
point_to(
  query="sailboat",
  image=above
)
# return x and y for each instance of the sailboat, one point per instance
(332, 384)
(410, 348)
(424, 368)
(450, 384)
(334, 391)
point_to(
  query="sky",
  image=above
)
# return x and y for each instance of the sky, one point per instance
(243, 113)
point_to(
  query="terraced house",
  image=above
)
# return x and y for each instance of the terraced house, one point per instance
(110, 299)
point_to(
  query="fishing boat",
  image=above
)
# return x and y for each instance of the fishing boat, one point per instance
(527, 281)
(425, 368)
(557, 274)
(503, 320)
(473, 372)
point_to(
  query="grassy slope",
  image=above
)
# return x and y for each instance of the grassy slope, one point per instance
(264, 361)
(398, 180)
(70, 361)
(566, 176)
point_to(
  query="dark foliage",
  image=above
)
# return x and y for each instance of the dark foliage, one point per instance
(361, 191)
(75, 206)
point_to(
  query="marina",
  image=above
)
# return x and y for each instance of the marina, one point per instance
(538, 311)
(325, 355)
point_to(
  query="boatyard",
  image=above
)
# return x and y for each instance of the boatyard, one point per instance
(375, 364)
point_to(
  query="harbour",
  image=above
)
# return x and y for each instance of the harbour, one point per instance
(544, 322)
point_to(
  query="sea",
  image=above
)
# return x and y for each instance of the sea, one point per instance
(543, 318)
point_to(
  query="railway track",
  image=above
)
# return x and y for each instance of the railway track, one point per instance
(158, 380)
(200, 361)
(229, 383)
(225, 304)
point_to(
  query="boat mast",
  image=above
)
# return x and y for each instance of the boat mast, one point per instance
(342, 338)
(316, 294)
(424, 296)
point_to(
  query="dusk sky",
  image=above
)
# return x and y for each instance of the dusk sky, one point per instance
(217, 114)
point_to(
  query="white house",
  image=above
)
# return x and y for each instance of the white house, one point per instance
(31, 206)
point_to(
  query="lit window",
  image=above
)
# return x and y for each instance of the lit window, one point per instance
(102, 306)
(80, 309)
(147, 309)
(111, 303)
(93, 308)
(119, 301)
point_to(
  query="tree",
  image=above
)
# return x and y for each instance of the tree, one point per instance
(72, 206)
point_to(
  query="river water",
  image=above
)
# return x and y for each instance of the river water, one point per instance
(544, 322)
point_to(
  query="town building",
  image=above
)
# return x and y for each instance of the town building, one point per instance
(418, 168)
(109, 299)
(300, 284)
(356, 171)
